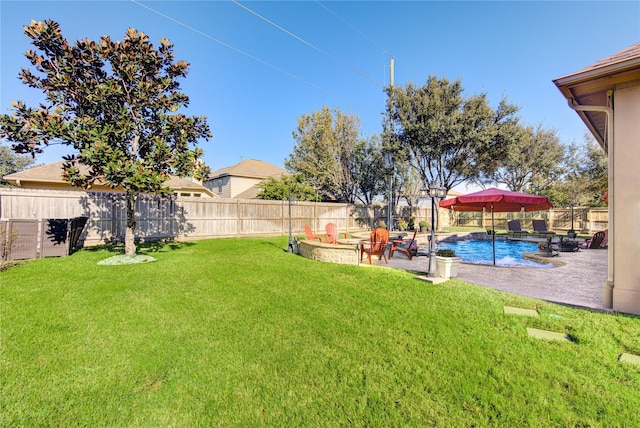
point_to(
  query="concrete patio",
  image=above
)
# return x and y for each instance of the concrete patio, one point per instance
(578, 282)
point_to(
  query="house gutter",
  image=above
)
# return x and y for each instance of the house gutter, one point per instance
(607, 287)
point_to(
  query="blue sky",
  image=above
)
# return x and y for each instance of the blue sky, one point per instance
(254, 78)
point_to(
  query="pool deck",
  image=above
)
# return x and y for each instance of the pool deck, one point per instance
(578, 282)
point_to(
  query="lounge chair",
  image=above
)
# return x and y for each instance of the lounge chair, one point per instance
(310, 235)
(377, 245)
(332, 234)
(403, 245)
(540, 227)
(599, 240)
(515, 229)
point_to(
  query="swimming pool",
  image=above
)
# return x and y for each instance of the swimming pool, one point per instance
(508, 253)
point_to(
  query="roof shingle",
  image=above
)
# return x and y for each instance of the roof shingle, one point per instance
(625, 54)
(251, 168)
(52, 174)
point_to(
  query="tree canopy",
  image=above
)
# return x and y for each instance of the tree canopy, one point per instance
(583, 176)
(533, 159)
(446, 137)
(287, 186)
(115, 104)
(11, 162)
(325, 151)
(368, 169)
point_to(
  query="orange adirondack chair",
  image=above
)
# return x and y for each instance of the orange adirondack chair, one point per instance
(332, 234)
(310, 235)
(377, 245)
(403, 245)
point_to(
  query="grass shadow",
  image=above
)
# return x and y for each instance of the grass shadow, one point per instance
(157, 247)
(141, 248)
(111, 248)
(275, 245)
(8, 264)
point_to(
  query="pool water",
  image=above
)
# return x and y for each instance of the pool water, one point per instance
(508, 253)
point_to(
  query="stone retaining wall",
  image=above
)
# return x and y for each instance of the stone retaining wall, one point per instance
(346, 254)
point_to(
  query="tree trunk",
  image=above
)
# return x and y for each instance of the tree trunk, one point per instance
(129, 237)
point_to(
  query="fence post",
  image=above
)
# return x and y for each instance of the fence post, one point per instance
(113, 229)
(238, 217)
(316, 221)
(282, 210)
(346, 216)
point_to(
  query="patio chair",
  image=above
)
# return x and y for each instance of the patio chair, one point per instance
(404, 246)
(332, 234)
(597, 241)
(515, 229)
(540, 227)
(310, 235)
(377, 245)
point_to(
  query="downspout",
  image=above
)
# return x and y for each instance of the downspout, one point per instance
(607, 288)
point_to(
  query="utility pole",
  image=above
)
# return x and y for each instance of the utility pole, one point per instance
(388, 159)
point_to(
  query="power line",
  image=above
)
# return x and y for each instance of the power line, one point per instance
(233, 48)
(344, 21)
(339, 61)
(353, 27)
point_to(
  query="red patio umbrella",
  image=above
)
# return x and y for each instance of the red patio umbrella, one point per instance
(497, 200)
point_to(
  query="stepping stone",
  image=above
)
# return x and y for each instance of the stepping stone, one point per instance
(510, 310)
(629, 358)
(547, 335)
(431, 279)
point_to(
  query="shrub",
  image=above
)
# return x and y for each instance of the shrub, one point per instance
(411, 223)
(445, 253)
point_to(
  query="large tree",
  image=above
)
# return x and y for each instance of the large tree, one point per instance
(326, 141)
(368, 169)
(11, 162)
(410, 187)
(287, 186)
(533, 158)
(446, 137)
(114, 102)
(583, 178)
(594, 166)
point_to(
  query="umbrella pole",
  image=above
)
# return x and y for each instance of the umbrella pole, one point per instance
(493, 236)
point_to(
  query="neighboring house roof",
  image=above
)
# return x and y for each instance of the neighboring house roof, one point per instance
(250, 193)
(251, 168)
(51, 175)
(590, 86)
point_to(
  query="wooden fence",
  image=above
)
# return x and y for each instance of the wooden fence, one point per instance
(582, 220)
(186, 218)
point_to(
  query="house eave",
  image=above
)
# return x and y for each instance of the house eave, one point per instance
(594, 86)
(607, 72)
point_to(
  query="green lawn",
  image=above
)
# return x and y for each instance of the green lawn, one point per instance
(237, 332)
